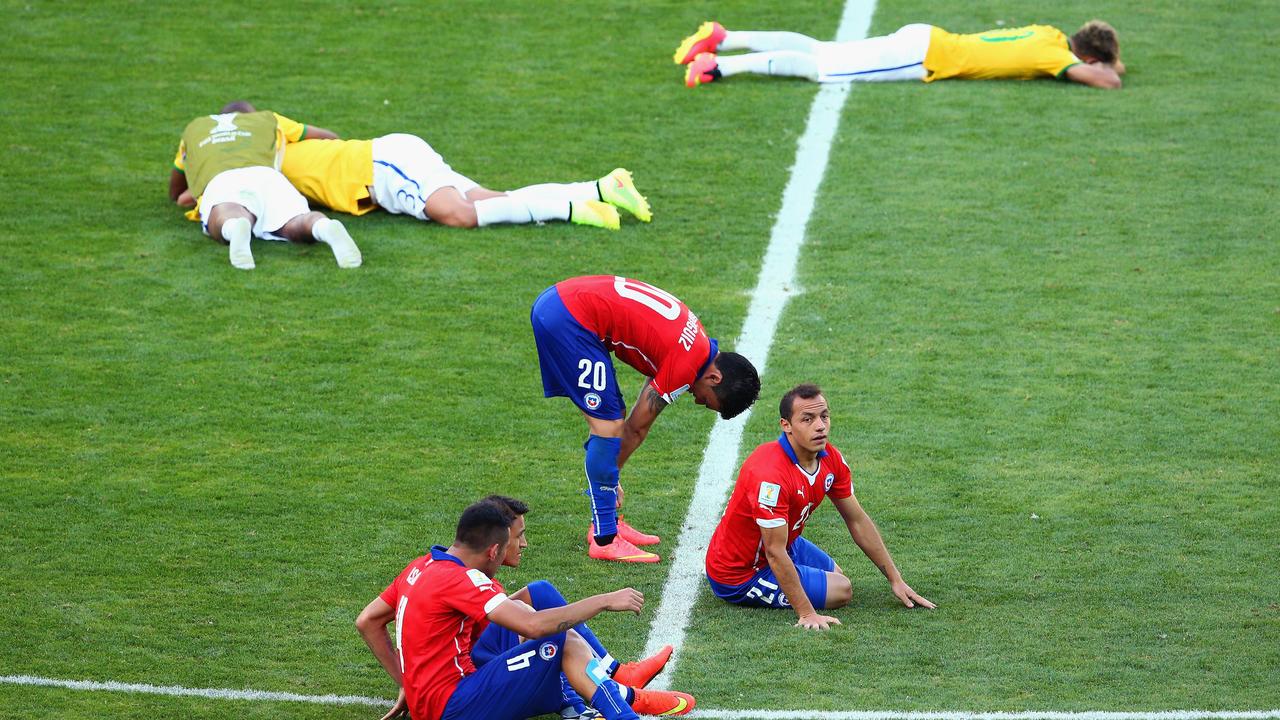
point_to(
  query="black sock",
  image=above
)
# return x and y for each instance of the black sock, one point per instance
(606, 539)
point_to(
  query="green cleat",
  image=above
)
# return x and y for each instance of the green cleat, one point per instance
(594, 212)
(618, 190)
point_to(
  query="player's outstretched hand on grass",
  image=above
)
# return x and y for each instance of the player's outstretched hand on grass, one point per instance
(400, 709)
(814, 621)
(910, 597)
(625, 600)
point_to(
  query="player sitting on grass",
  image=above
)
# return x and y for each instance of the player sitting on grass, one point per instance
(403, 175)
(226, 169)
(493, 671)
(758, 558)
(915, 52)
(576, 324)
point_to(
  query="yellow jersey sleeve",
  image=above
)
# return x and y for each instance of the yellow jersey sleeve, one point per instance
(291, 129)
(180, 159)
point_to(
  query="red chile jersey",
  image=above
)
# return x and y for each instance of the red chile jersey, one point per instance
(644, 327)
(441, 608)
(772, 491)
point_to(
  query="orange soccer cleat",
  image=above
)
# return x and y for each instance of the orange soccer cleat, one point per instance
(639, 673)
(620, 550)
(634, 536)
(706, 40)
(703, 69)
(662, 702)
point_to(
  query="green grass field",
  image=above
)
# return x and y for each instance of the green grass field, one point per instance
(1047, 319)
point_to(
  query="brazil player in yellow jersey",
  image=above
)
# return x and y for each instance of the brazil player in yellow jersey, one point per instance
(227, 171)
(404, 175)
(1090, 56)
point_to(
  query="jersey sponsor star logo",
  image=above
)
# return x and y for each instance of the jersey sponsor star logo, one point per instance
(769, 494)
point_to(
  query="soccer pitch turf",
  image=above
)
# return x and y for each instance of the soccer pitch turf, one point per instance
(1046, 318)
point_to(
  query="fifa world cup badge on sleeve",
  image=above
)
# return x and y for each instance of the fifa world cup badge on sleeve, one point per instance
(769, 494)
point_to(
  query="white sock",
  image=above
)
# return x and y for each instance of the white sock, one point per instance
(758, 41)
(335, 235)
(237, 232)
(535, 203)
(786, 63)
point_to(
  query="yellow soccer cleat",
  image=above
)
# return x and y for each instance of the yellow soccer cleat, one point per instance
(706, 39)
(618, 190)
(596, 213)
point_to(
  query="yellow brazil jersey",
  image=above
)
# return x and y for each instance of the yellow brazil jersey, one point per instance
(1017, 53)
(334, 173)
(230, 141)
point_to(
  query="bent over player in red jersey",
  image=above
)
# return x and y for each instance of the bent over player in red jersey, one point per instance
(758, 558)
(576, 324)
(445, 603)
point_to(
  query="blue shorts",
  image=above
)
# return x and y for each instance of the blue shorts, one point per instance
(762, 590)
(522, 682)
(574, 363)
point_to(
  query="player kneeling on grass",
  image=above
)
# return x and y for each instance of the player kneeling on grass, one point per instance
(227, 171)
(536, 656)
(1090, 57)
(758, 558)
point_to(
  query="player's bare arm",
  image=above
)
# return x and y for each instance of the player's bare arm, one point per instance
(527, 622)
(318, 133)
(177, 185)
(775, 550)
(636, 428)
(1098, 75)
(372, 624)
(864, 532)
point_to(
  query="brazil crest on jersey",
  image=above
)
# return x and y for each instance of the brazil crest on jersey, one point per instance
(772, 491)
(644, 327)
(438, 620)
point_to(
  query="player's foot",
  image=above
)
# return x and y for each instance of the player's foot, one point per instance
(634, 536)
(703, 69)
(333, 234)
(618, 190)
(596, 213)
(705, 40)
(662, 702)
(638, 674)
(619, 551)
(237, 232)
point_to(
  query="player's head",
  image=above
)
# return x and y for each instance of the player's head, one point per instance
(239, 106)
(519, 542)
(485, 530)
(729, 386)
(804, 417)
(1096, 41)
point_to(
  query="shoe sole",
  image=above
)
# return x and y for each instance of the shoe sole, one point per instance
(685, 54)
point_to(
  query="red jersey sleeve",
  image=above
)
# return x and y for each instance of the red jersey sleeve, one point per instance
(843, 485)
(391, 595)
(769, 499)
(475, 594)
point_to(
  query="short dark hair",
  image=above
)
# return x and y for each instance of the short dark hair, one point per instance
(804, 391)
(239, 106)
(483, 525)
(517, 507)
(739, 384)
(1098, 40)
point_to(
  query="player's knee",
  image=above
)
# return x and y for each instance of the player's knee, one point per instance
(543, 595)
(839, 590)
(459, 213)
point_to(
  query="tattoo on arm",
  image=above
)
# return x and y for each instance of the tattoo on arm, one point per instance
(884, 570)
(563, 627)
(655, 401)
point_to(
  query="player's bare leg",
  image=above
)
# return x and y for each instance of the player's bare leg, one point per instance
(580, 203)
(605, 539)
(314, 226)
(232, 224)
(839, 590)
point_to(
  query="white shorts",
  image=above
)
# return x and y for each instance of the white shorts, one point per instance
(406, 171)
(899, 56)
(263, 191)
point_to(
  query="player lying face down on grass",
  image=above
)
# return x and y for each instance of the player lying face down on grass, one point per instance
(577, 323)
(506, 646)
(1090, 57)
(227, 171)
(757, 556)
(404, 175)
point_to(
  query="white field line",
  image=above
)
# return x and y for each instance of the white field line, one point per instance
(259, 695)
(179, 691)
(773, 288)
